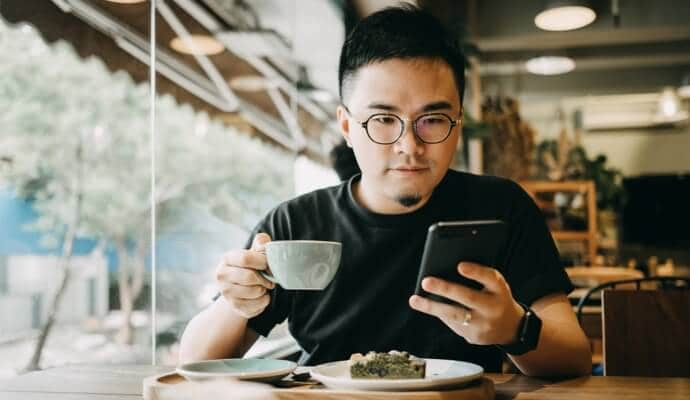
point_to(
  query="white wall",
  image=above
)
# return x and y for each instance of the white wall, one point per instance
(639, 152)
(31, 275)
(15, 314)
(634, 152)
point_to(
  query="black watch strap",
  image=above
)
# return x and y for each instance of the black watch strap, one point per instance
(527, 334)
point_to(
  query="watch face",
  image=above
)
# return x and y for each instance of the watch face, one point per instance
(531, 330)
(528, 335)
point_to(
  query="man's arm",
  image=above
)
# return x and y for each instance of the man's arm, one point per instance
(221, 331)
(563, 348)
(495, 317)
(216, 332)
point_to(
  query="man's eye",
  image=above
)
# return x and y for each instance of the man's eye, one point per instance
(433, 120)
(384, 120)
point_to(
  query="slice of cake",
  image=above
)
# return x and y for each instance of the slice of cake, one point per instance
(391, 365)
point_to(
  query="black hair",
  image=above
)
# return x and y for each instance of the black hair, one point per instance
(404, 32)
(343, 160)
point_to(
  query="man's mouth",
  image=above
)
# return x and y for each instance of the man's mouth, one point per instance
(409, 169)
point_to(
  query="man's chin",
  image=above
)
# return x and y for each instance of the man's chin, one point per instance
(407, 195)
(409, 200)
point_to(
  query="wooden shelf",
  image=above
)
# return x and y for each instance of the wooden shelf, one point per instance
(547, 186)
(570, 235)
(586, 188)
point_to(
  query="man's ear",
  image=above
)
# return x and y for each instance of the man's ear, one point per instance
(343, 124)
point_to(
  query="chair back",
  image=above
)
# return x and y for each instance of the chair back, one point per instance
(654, 282)
(646, 332)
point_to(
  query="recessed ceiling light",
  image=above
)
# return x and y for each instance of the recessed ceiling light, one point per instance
(565, 16)
(550, 65)
(200, 45)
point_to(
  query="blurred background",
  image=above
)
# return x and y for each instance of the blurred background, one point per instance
(586, 107)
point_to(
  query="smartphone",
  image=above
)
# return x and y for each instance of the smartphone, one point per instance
(449, 243)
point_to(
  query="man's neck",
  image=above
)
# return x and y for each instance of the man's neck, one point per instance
(380, 204)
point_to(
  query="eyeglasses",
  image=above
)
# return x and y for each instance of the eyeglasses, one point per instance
(386, 128)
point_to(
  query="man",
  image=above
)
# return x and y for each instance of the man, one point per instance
(401, 82)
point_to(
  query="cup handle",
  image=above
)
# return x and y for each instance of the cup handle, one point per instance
(268, 276)
(265, 273)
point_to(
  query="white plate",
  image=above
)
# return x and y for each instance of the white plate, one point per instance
(440, 374)
(248, 369)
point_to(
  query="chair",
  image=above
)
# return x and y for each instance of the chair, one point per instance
(646, 333)
(664, 284)
(589, 316)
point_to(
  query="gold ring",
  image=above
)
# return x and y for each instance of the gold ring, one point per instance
(468, 318)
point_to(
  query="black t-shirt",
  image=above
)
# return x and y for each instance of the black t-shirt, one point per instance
(365, 307)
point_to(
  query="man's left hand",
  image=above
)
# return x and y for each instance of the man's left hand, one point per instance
(494, 316)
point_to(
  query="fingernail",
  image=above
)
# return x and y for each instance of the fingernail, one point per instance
(413, 300)
(425, 283)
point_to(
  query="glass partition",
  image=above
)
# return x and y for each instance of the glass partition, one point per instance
(74, 185)
(216, 174)
(238, 130)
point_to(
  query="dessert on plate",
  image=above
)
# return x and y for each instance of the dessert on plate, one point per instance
(392, 365)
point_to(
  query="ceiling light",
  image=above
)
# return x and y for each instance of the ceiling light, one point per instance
(251, 83)
(550, 65)
(197, 44)
(565, 16)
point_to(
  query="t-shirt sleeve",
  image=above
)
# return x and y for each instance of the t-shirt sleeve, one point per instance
(280, 304)
(533, 267)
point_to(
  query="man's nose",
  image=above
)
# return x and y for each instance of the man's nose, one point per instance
(409, 143)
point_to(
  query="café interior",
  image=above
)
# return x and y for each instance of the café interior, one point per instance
(140, 139)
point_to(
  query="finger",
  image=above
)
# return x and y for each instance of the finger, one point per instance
(492, 280)
(446, 312)
(246, 259)
(260, 240)
(251, 308)
(244, 277)
(462, 294)
(245, 292)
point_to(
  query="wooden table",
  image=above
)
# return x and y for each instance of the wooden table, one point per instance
(111, 382)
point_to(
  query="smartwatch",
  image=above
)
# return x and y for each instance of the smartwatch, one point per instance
(527, 334)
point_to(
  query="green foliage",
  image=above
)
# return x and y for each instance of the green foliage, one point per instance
(53, 102)
(608, 181)
(578, 166)
(473, 129)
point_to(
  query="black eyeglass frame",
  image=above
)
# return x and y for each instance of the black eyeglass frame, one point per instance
(403, 121)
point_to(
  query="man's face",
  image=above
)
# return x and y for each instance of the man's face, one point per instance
(399, 176)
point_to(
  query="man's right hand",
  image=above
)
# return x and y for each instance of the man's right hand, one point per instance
(244, 289)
